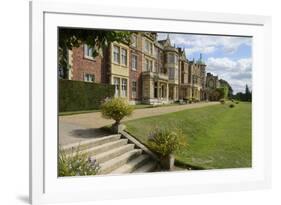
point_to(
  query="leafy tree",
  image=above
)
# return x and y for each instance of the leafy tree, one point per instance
(223, 92)
(224, 83)
(98, 40)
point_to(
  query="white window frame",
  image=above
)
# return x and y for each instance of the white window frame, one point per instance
(134, 89)
(89, 77)
(134, 62)
(116, 56)
(124, 58)
(124, 87)
(88, 52)
(116, 83)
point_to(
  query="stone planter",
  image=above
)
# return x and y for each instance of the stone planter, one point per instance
(117, 128)
(167, 162)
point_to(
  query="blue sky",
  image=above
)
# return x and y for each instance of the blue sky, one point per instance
(226, 56)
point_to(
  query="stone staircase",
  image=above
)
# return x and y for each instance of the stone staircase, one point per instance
(116, 154)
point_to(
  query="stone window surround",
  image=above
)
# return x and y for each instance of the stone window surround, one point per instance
(119, 53)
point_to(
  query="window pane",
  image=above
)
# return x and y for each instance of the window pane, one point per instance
(124, 56)
(116, 53)
(134, 62)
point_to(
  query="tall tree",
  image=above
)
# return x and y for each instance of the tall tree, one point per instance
(95, 39)
(248, 94)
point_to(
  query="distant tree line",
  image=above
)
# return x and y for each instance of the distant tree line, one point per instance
(246, 96)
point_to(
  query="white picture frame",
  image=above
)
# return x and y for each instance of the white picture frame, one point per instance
(46, 187)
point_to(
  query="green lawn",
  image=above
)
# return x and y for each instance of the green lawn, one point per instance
(218, 136)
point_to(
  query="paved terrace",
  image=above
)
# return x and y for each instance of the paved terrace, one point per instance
(75, 128)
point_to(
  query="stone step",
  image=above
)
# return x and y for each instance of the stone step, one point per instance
(106, 147)
(132, 165)
(86, 144)
(117, 162)
(147, 167)
(111, 154)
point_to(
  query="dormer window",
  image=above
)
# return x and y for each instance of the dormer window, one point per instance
(134, 41)
(148, 48)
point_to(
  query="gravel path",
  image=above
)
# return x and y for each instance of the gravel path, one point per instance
(73, 128)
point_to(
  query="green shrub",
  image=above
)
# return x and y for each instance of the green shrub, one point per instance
(237, 102)
(231, 105)
(116, 109)
(76, 164)
(222, 101)
(165, 142)
(79, 95)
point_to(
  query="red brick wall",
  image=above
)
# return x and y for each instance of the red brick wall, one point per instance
(82, 65)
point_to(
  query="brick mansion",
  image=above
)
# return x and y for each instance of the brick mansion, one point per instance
(147, 70)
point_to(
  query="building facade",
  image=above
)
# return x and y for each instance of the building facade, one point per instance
(146, 71)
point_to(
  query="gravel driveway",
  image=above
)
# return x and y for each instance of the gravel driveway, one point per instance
(74, 128)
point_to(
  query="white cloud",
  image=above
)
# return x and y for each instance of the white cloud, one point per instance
(207, 43)
(237, 72)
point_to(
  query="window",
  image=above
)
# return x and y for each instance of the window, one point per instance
(134, 62)
(148, 47)
(171, 58)
(88, 52)
(176, 59)
(176, 73)
(155, 90)
(134, 40)
(124, 88)
(117, 86)
(123, 56)
(148, 65)
(134, 89)
(116, 54)
(89, 77)
(171, 73)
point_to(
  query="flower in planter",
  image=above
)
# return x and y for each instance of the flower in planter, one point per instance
(165, 142)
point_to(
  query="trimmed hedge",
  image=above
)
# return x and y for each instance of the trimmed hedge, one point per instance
(79, 95)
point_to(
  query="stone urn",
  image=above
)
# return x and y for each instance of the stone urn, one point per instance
(167, 162)
(117, 128)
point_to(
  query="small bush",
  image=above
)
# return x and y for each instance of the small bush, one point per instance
(76, 164)
(116, 109)
(237, 102)
(165, 142)
(222, 101)
(231, 105)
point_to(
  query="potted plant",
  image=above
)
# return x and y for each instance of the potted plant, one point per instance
(165, 142)
(116, 109)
